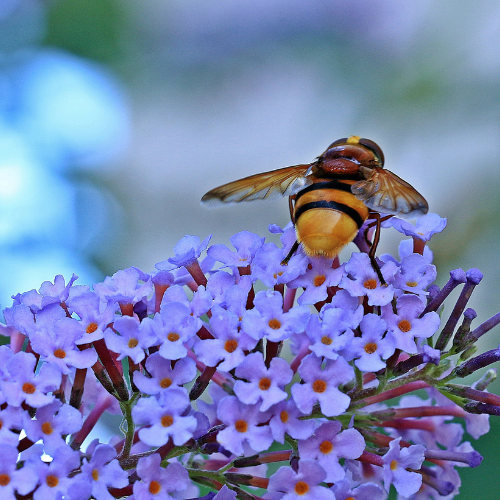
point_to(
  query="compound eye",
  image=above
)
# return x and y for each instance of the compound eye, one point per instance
(374, 147)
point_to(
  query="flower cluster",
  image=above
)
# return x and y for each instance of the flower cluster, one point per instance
(222, 365)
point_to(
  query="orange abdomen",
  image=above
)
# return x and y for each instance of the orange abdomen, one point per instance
(328, 217)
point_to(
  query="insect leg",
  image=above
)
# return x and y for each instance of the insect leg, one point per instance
(291, 207)
(284, 262)
(374, 244)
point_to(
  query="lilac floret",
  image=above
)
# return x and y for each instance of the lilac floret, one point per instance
(426, 226)
(268, 320)
(362, 280)
(322, 385)
(102, 470)
(246, 245)
(127, 339)
(264, 384)
(373, 347)
(396, 462)
(304, 484)
(23, 385)
(124, 286)
(163, 375)
(243, 435)
(187, 250)
(165, 418)
(158, 482)
(328, 445)
(407, 325)
(230, 343)
(316, 280)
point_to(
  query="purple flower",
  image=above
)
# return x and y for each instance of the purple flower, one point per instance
(243, 435)
(316, 280)
(396, 462)
(54, 477)
(127, 339)
(268, 320)
(52, 422)
(372, 347)
(102, 470)
(362, 280)
(124, 286)
(415, 275)
(227, 349)
(22, 480)
(425, 228)
(163, 375)
(264, 384)
(328, 445)
(346, 489)
(175, 328)
(286, 419)
(245, 243)
(301, 485)
(94, 315)
(58, 345)
(322, 385)
(48, 293)
(165, 418)
(407, 325)
(157, 483)
(330, 336)
(23, 385)
(267, 267)
(187, 250)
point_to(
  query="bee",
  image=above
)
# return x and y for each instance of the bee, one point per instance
(331, 197)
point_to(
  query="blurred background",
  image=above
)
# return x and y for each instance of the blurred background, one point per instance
(116, 116)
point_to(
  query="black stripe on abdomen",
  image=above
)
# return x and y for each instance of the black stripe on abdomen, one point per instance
(332, 205)
(341, 186)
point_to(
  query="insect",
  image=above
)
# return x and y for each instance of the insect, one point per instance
(331, 197)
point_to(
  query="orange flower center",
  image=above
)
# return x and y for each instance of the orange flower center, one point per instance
(132, 343)
(29, 388)
(394, 465)
(264, 384)
(326, 340)
(95, 474)
(165, 382)
(319, 280)
(274, 324)
(167, 420)
(326, 447)
(47, 428)
(284, 416)
(173, 337)
(60, 353)
(231, 345)
(52, 481)
(319, 386)
(154, 487)
(241, 426)
(404, 325)
(370, 284)
(4, 479)
(370, 347)
(301, 488)
(91, 327)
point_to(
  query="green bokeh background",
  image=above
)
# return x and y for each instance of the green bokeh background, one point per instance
(220, 90)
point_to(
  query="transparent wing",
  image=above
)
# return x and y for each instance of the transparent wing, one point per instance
(267, 186)
(385, 192)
